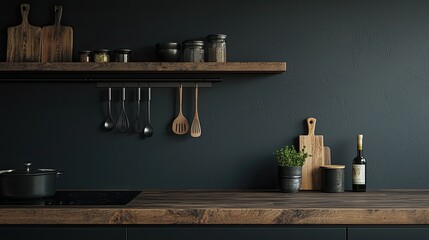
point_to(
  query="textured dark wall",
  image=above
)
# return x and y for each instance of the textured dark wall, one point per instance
(357, 66)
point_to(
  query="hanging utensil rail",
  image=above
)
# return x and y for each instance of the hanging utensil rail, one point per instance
(158, 83)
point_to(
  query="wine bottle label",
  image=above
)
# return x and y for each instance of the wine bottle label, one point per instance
(358, 174)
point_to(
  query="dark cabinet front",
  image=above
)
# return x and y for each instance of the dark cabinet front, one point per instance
(62, 233)
(232, 233)
(211, 232)
(388, 233)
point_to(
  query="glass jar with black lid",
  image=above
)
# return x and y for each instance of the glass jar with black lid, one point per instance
(85, 56)
(102, 55)
(193, 51)
(122, 55)
(216, 48)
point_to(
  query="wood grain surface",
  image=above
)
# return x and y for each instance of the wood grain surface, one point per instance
(238, 207)
(57, 40)
(327, 155)
(147, 67)
(23, 41)
(313, 145)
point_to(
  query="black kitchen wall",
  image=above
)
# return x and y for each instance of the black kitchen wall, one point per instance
(357, 66)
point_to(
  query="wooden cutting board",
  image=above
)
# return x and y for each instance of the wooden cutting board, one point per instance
(313, 145)
(57, 40)
(23, 41)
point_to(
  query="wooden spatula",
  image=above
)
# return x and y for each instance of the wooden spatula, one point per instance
(57, 40)
(313, 145)
(180, 125)
(23, 41)
(196, 126)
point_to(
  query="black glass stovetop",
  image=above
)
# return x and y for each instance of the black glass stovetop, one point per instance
(78, 198)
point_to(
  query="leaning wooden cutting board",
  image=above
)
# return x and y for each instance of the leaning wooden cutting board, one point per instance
(327, 156)
(313, 145)
(23, 41)
(57, 40)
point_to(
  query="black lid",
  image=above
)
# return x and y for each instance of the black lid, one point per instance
(168, 45)
(27, 171)
(84, 51)
(123, 50)
(216, 37)
(193, 43)
(101, 50)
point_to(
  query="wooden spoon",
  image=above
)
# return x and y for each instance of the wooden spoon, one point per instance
(180, 125)
(196, 126)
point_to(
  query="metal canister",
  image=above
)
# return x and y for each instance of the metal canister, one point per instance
(193, 51)
(216, 48)
(333, 178)
(101, 55)
(122, 55)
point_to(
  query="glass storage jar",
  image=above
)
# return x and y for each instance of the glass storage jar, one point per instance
(216, 49)
(85, 56)
(122, 55)
(101, 55)
(193, 51)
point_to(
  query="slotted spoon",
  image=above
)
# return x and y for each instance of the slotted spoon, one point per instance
(180, 125)
(196, 126)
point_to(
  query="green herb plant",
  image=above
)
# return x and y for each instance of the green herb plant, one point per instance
(290, 157)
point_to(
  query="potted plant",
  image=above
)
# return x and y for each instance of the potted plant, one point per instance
(290, 162)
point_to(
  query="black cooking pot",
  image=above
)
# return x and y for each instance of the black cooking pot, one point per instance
(28, 183)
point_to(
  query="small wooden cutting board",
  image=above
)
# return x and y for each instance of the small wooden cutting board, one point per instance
(313, 145)
(23, 41)
(57, 40)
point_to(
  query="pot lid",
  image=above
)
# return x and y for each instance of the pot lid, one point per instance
(27, 171)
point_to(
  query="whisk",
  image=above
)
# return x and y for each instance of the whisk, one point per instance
(123, 124)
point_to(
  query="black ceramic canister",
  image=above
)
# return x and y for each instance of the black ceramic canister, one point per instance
(333, 178)
(122, 55)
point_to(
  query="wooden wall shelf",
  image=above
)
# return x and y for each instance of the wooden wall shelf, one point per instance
(144, 67)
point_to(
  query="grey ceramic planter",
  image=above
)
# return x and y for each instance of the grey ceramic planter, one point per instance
(289, 179)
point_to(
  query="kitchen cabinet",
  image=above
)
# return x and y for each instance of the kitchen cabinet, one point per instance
(234, 233)
(388, 233)
(63, 233)
(171, 233)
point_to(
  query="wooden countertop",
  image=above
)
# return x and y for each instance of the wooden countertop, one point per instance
(238, 207)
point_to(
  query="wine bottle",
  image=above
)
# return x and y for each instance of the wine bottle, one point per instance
(359, 168)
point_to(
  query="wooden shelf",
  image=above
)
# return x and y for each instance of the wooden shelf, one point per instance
(144, 67)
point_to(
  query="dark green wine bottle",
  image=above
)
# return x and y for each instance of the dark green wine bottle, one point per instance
(359, 168)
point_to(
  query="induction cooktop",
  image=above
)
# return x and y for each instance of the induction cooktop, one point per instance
(78, 198)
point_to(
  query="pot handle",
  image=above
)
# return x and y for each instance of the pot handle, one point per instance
(27, 166)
